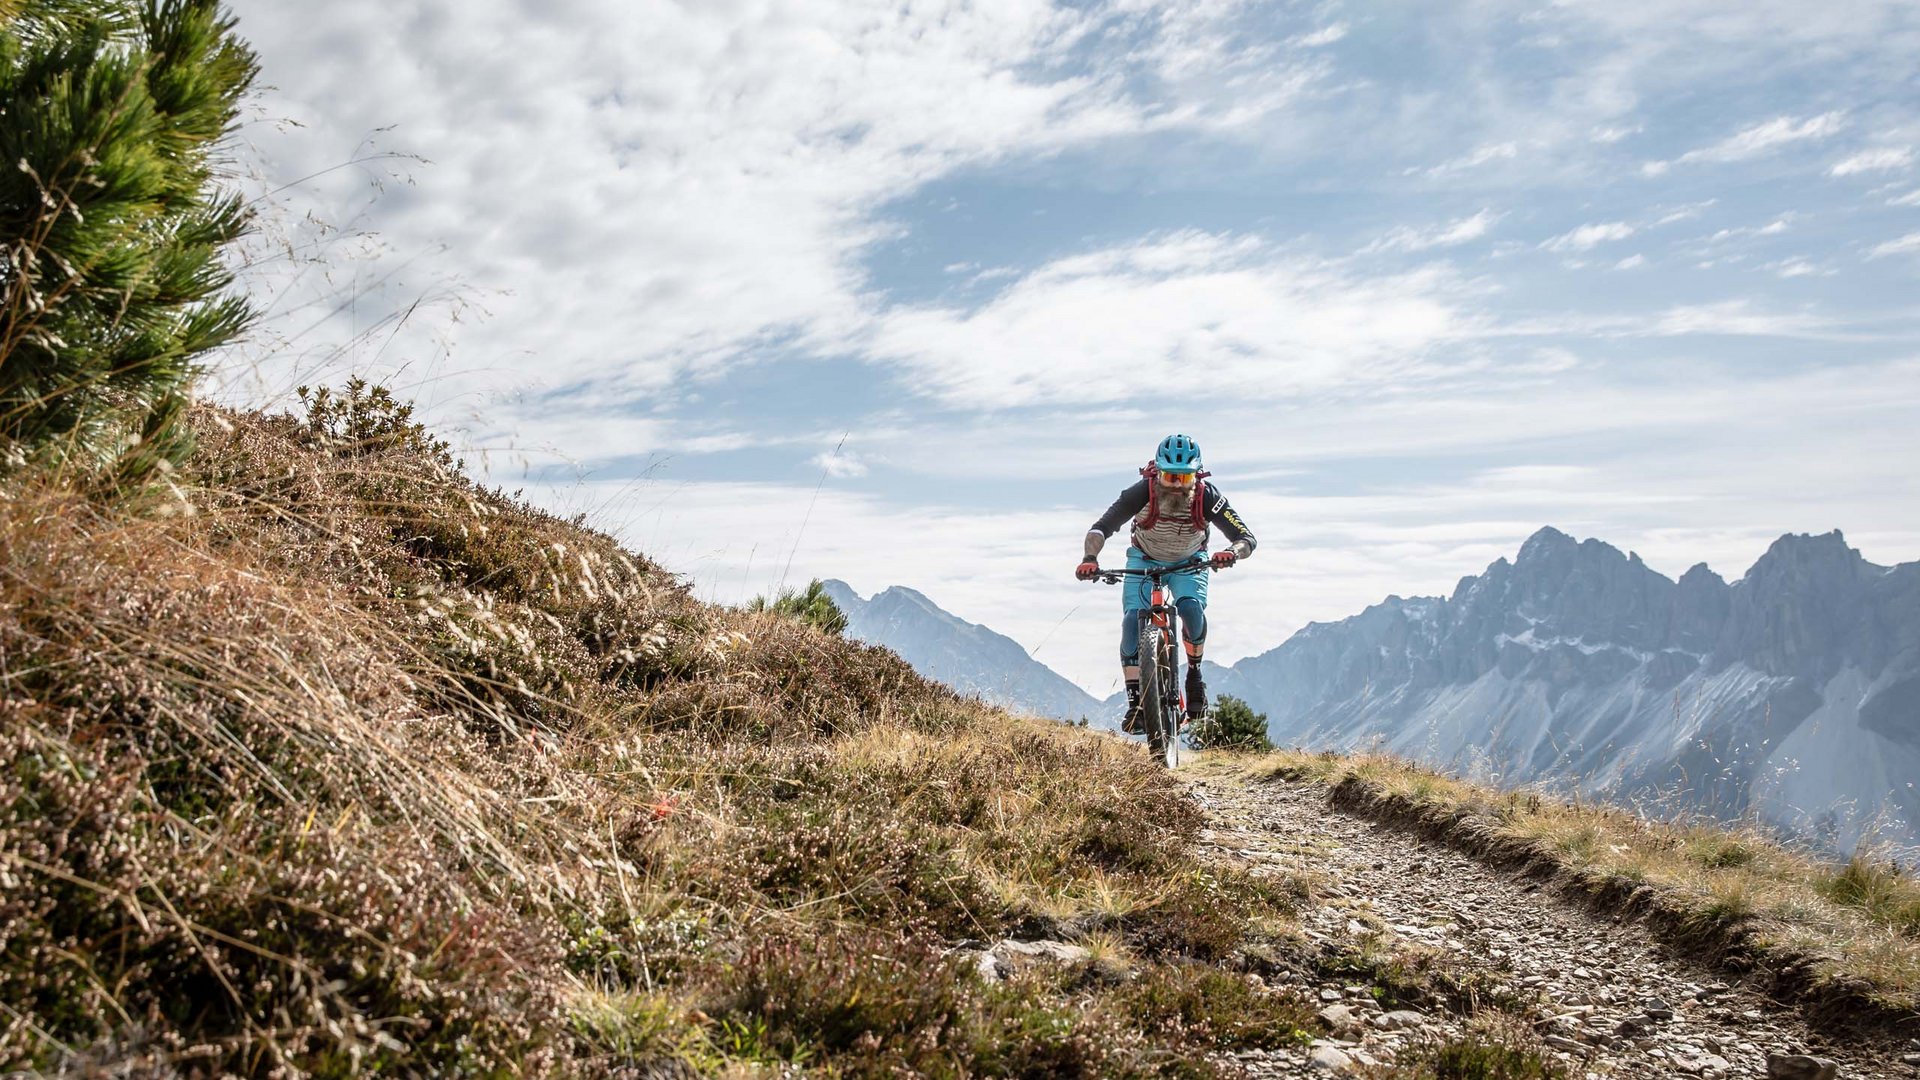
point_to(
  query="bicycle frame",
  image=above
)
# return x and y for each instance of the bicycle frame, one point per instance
(1162, 707)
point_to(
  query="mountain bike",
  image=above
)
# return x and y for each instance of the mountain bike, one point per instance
(1162, 707)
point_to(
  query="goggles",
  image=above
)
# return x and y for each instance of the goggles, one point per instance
(1178, 479)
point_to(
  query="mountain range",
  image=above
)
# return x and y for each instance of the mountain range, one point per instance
(1791, 695)
(966, 656)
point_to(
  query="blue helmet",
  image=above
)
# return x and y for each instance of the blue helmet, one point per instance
(1177, 454)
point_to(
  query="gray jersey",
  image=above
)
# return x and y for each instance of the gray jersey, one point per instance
(1174, 535)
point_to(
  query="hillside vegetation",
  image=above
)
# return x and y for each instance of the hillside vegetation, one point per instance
(328, 761)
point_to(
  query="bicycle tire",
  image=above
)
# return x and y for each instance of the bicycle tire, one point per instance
(1173, 710)
(1154, 719)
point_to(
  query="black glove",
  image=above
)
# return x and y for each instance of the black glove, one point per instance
(1087, 570)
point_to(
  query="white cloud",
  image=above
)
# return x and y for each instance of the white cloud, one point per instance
(841, 464)
(1911, 198)
(1737, 318)
(1772, 228)
(1684, 213)
(1588, 237)
(1765, 138)
(1631, 262)
(1408, 238)
(644, 194)
(1611, 134)
(1730, 318)
(1881, 159)
(1325, 36)
(1798, 267)
(1098, 327)
(1902, 246)
(1504, 151)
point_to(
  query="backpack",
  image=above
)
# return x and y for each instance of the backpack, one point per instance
(1153, 497)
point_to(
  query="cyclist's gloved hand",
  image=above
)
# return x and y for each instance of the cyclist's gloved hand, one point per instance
(1223, 559)
(1087, 571)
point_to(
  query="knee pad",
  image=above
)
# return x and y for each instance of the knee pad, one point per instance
(1193, 616)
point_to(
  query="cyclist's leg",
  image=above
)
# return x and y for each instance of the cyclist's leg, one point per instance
(1193, 625)
(1133, 600)
(1190, 597)
(1135, 595)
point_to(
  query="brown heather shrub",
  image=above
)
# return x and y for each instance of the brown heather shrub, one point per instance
(865, 1003)
(344, 765)
(1214, 1008)
(1496, 1047)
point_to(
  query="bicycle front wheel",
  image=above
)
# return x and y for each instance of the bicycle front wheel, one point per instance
(1156, 682)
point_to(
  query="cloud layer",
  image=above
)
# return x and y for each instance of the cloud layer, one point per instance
(930, 279)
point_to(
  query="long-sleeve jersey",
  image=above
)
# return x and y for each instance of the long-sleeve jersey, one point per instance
(1173, 536)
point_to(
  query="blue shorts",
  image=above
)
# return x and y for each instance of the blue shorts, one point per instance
(1136, 592)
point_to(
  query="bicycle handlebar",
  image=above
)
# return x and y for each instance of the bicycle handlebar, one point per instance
(1112, 577)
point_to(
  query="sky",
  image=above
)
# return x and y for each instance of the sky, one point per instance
(905, 293)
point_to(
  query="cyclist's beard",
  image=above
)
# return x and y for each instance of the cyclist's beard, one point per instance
(1174, 497)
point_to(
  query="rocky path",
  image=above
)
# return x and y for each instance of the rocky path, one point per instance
(1607, 1000)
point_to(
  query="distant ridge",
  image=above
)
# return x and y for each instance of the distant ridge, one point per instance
(966, 656)
(1793, 693)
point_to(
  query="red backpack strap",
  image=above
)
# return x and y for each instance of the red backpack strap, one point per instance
(1200, 499)
(1153, 495)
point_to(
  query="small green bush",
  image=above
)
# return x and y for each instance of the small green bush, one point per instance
(811, 606)
(366, 418)
(1233, 725)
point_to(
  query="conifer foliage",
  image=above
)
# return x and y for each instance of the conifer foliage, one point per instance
(1232, 725)
(113, 122)
(812, 606)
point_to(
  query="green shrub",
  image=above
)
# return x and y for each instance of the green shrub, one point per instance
(113, 226)
(811, 606)
(366, 418)
(1233, 725)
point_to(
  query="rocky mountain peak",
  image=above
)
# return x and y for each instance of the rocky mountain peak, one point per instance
(1825, 556)
(1546, 543)
(1802, 607)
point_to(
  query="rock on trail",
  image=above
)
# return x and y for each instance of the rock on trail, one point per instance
(1605, 997)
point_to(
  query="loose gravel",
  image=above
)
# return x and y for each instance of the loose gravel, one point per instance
(1606, 999)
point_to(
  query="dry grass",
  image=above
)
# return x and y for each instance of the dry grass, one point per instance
(337, 764)
(1832, 933)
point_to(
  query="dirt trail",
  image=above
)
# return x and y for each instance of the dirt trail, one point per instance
(1610, 1000)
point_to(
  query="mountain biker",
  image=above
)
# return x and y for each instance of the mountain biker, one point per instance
(1172, 507)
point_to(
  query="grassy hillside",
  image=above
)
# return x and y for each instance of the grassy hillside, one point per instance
(328, 761)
